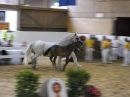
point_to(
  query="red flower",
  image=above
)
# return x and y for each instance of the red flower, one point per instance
(93, 92)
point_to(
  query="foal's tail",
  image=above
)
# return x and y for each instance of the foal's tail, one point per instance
(27, 54)
(47, 51)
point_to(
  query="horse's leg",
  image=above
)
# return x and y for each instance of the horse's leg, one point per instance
(63, 59)
(75, 59)
(67, 61)
(34, 61)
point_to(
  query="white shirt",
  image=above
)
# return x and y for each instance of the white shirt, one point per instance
(115, 43)
(4, 43)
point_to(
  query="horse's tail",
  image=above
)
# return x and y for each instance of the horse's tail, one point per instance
(47, 51)
(27, 54)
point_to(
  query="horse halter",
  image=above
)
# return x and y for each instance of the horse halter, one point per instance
(77, 40)
(79, 43)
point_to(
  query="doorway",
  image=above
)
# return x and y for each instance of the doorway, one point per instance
(122, 26)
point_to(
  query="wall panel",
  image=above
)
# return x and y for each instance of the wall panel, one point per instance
(43, 20)
(93, 26)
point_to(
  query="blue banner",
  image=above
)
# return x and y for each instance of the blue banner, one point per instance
(67, 2)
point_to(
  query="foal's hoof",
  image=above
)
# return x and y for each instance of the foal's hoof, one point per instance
(54, 67)
(34, 68)
(58, 69)
(62, 70)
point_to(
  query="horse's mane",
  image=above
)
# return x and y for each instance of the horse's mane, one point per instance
(67, 37)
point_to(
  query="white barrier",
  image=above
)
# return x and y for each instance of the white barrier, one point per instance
(30, 36)
(13, 49)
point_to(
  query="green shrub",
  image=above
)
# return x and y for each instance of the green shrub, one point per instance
(76, 82)
(27, 84)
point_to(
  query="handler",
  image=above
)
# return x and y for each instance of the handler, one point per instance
(89, 43)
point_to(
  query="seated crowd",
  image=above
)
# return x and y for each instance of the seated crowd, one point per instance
(9, 43)
(7, 39)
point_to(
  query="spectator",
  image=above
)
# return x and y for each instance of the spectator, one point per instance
(126, 53)
(105, 47)
(4, 33)
(89, 48)
(24, 44)
(115, 46)
(4, 42)
(9, 44)
(10, 36)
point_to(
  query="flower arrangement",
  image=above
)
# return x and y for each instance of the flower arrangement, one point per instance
(92, 92)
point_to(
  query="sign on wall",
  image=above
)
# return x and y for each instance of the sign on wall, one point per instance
(53, 87)
(99, 15)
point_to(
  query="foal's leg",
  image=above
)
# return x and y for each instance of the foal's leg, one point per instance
(67, 61)
(51, 60)
(55, 57)
(75, 59)
(59, 63)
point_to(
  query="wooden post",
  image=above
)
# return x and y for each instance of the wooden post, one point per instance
(19, 14)
(46, 3)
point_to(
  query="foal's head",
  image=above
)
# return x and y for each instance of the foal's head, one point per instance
(78, 45)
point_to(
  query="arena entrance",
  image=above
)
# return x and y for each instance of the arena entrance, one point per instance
(122, 26)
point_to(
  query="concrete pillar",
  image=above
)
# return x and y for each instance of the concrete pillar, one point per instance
(46, 3)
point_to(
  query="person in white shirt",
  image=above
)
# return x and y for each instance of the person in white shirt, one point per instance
(4, 42)
(115, 47)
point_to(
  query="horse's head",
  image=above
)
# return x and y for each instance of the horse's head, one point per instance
(76, 38)
(69, 39)
(79, 42)
(79, 46)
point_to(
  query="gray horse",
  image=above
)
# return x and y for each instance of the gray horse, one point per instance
(40, 47)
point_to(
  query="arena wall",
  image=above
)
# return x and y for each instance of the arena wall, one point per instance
(93, 26)
(82, 17)
(30, 36)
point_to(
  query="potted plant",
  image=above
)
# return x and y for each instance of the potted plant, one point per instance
(27, 84)
(76, 82)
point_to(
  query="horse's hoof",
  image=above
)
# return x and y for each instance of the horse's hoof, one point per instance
(58, 69)
(79, 66)
(54, 67)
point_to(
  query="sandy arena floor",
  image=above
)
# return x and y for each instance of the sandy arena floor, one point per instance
(112, 79)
